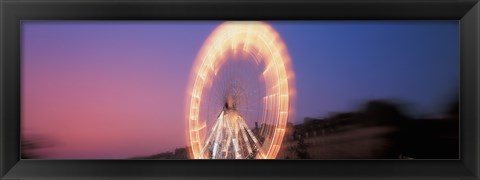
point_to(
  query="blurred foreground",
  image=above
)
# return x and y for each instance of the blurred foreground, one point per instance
(378, 130)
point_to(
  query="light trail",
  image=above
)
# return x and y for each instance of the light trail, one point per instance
(262, 43)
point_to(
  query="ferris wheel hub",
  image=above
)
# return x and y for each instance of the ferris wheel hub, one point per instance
(230, 102)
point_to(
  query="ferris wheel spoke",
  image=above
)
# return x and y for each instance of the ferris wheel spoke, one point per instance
(245, 109)
(227, 147)
(212, 132)
(256, 142)
(234, 131)
(245, 138)
(218, 137)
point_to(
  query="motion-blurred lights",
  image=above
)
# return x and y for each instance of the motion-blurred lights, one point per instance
(253, 39)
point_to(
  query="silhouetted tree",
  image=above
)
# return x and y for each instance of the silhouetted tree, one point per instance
(27, 149)
(302, 148)
(453, 109)
(392, 114)
(384, 111)
(31, 144)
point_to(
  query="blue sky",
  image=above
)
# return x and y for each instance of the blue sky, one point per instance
(340, 65)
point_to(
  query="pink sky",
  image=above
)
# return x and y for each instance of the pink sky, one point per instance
(108, 90)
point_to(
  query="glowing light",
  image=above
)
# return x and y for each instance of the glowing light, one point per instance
(245, 38)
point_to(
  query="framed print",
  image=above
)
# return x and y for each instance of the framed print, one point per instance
(229, 89)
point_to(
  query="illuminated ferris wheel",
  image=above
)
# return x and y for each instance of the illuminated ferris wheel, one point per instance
(241, 93)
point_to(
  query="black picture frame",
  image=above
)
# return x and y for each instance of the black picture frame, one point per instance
(12, 12)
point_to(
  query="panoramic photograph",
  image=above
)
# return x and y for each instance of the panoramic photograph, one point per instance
(284, 90)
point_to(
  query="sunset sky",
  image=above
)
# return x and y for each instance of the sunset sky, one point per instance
(116, 89)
